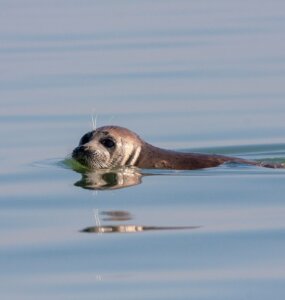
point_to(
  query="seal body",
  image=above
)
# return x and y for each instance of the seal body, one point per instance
(111, 147)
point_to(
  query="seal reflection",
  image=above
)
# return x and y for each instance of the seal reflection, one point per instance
(104, 180)
(115, 215)
(109, 179)
(132, 228)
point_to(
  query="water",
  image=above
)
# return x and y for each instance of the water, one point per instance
(190, 75)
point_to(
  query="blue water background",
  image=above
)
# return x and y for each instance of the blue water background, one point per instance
(186, 75)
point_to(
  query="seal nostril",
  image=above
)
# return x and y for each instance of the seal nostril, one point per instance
(77, 151)
(81, 148)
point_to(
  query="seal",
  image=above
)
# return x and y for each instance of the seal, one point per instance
(111, 147)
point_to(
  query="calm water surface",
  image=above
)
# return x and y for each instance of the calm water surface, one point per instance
(190, 75)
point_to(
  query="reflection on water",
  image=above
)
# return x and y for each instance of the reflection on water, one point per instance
(120, 216)
(116, 215)
(109, 180)
(103, 179)
(132, 228)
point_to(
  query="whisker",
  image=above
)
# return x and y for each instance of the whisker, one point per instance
(94, 120)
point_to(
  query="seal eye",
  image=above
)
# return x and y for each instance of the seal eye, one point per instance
(108, 143)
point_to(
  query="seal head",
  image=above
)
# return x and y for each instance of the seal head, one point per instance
(108, 147)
